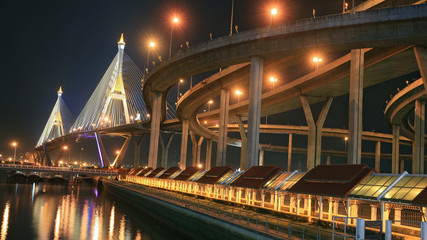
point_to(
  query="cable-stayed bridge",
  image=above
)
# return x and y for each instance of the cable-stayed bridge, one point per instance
(116, 107)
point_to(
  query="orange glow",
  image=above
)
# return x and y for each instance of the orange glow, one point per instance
(65, 147)
(238, 92)
(210, 101)
(317, 59)
(14, 144)
(117, 152)
(273, 11)
(346, 138)
(152, 44)
(175, 20)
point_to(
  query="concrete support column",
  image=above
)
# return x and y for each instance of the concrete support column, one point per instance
(165, 150)
(421, 56)
(328, 160)
(307, 203)
(314, 145)
(199, 149)
(194, 148)
(156, 118)
(261, 157)
(395, 149)
(255, 88)
(298, 203)
(223, 127)
(184, 143)
(243, 149)
(377, 156)
(418, 144)
(208, 154)
(290, 152)
(355, 107)
(137, 150)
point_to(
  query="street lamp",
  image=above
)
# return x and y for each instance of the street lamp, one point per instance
(317, 60)
(273, 80)
(175, 20)
(238, 93)
(231, 22)
(177, 92)
(209, 105)
(150, 46)
(69, 153)
(14, 145)
(345, 140)
(273, 13)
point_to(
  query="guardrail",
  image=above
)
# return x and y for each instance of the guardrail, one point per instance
(57, 169)
(260, 222)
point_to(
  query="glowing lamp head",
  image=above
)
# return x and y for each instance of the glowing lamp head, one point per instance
(61, 162)
(346, 138)
(65, 147)
(273, 11)
(317, 59)
(60, 91)
(117, 152)
(181, 80)
(14, 144)
(210, 101)
(152, 44)
(199, 165)
(238, 92)
(273, 79)
(175, 20)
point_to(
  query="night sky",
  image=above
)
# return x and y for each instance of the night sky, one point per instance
(70, 43)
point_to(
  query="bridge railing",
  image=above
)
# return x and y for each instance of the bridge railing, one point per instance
(59, 169)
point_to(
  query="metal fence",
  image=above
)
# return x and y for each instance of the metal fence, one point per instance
(261, 222)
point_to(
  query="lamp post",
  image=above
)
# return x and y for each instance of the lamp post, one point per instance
(317, 60)
(273, 13)
(150, 46)
(273, 80)
(174, 21)
(209, 105)
(238, 93)
(345, 147)
(14, 145)
(232, 13)
(177, 92)
(69, 154)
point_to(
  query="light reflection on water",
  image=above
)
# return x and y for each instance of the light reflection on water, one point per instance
(44, 211)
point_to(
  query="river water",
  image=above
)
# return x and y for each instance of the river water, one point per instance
(74, 211)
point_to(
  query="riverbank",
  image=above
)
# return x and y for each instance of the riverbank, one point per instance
(193, 224)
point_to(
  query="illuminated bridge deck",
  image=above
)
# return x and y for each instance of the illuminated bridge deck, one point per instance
(33, 168)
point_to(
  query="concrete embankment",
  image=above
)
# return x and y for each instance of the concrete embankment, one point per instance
(194, 225)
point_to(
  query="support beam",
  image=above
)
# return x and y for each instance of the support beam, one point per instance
(244, 142)
(165, 150)
(119, 158)
(199, 149)
(421, 56)
(194, 149)
(418, 144)
(314, 145)
(355, 106)
(137, 150)
(395, 149)
(184, 143)
(156, 118)
(290, 153)
(208, 154)
(377, 156)
(261, 157)
(46, 157)
(101, 151)
(255, 88)
(223, 127)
